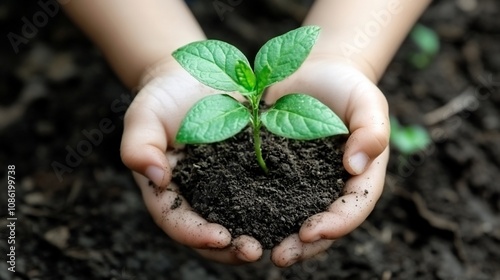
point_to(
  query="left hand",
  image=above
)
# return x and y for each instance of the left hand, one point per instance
(343, 86)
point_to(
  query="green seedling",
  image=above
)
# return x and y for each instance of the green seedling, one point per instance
(427, 42)
(223, 67)
(408, 139)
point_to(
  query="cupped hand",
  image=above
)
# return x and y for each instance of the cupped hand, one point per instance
(342, 85)
(150, 126)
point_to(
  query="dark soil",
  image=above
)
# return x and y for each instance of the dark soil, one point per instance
(438, 217)
(224, 183)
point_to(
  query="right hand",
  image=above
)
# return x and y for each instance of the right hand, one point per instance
(150, 125)
(345, 88)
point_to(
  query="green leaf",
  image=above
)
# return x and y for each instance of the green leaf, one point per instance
(213, 63)
(284, 54)
(245, 76)
(408, 139)
(262, 80)
(214, 118)
(420, 60)
(302, 117)
(427, 42)
(426, 39)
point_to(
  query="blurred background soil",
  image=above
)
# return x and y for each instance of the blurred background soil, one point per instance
(439, 217)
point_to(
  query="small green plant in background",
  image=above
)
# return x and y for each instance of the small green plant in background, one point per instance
(427, 42)
(223, 67)
(408, 139)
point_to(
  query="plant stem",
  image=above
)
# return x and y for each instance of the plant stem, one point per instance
(254, 102)
(258, 150)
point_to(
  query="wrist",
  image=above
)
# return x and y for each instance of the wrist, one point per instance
(159, 68)
(134, 35)
(365, 33)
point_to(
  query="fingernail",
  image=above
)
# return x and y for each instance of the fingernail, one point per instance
(358, 162)
(155, 174)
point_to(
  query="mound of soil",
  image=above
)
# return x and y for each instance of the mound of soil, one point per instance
(223, 182)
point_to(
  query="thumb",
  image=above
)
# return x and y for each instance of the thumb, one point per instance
(368, 117)
(144, 141)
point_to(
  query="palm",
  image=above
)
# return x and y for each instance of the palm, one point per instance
(364, 109)
(151, 123)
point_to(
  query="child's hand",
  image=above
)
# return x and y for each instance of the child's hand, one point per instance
(150, 125)
(363, 107)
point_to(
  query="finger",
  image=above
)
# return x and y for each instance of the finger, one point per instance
(367, 114)
(146, 134)
(144, 141)
(292, 250)
(354, 98)
(176, 218)
(243, 249)
(360, 195)
(247, 248)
